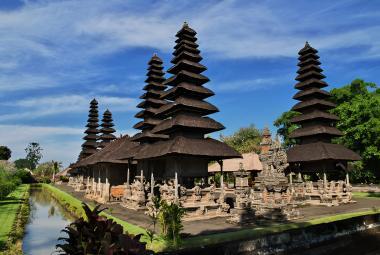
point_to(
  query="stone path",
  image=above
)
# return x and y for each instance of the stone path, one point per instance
(219, 225)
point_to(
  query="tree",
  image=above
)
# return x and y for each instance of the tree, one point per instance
(285, 127)
(22, 163)
(358, 107)
(5, 153)
(33, 154)
(245, 140)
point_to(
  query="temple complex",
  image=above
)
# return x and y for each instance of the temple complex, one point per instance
(172, 158)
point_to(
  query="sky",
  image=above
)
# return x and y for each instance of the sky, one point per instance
(55, 56)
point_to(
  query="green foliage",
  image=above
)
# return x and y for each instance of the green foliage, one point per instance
(5, 153)
(9, 179)
(170, 218)
(22, 163)
(245, 140)
(33, 154)
(99, 235)
(64, 178)
(285, 127)
(358, 107)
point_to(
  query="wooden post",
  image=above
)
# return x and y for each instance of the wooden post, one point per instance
(176, 186)
(347, 179)
(151, 184)
(128, 175)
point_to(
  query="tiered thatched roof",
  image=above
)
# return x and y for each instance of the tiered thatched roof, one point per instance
(107, 129)
(117, 151)
(316, 123)
(152, 101)
(90, 145)
(185, 122)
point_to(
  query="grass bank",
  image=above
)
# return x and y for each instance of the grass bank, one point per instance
(74, 206)
(366, 195)
(14, 214)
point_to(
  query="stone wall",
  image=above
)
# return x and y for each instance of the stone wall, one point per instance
(328, 235)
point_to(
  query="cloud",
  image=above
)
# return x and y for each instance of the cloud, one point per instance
(37, 107)
(58, 143)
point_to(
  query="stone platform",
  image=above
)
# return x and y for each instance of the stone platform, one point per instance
(219, 225)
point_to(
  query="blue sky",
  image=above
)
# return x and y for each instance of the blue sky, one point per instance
(55, 56)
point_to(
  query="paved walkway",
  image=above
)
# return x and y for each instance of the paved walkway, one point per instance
(219, 225)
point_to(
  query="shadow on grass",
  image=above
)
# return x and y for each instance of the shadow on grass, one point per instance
(373, 194)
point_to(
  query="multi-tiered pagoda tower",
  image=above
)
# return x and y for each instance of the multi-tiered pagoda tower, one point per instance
(187, 151)
(107, 130)
(152, 101)
(314, 151)
(90, 145)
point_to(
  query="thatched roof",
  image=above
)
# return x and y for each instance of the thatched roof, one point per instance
(110, 153)
(317, 125)
(250, 161)
(180, 145)
(320, 151)
(315, 130)
(203, 124)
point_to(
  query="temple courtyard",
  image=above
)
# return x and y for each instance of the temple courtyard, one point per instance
(219, 224)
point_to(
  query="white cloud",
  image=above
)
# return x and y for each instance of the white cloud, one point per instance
(37, 107)
(58, 143)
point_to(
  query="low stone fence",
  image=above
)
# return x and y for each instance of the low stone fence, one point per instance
(292, 241)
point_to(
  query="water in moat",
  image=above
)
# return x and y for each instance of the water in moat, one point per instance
(47, 219)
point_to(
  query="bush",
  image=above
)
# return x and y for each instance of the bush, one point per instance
(99, 235)
(24, 175)
(64, 178)
(6, 187)
(170, 218)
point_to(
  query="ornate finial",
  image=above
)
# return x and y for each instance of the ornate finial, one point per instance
(94, 101)
(155, 54)
(307, 44)
(185, 24)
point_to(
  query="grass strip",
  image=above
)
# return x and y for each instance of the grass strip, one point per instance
(14, 214)
(366, 195)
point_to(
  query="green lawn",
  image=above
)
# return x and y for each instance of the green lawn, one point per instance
(8, 211)
(366, 194)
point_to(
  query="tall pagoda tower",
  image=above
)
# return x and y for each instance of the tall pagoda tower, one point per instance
(314, 151)
(90, 145)
(107, 130)
(187, 151)
(152, 101)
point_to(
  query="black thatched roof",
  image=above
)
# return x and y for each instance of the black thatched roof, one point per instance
(152, 101)
(118, 151)
(90, 145)
(107, 129)
(204, 124)
(208, 148)
(317, 124)
(320, 151)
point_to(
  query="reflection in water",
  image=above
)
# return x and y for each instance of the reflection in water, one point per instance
(47, 219)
